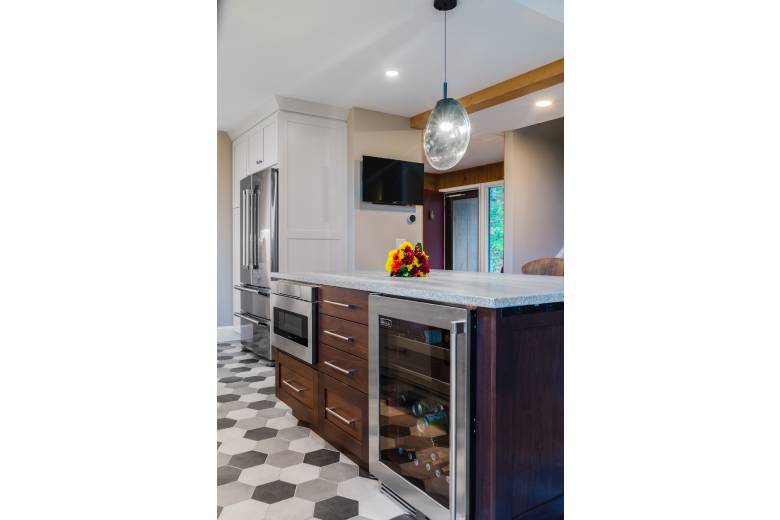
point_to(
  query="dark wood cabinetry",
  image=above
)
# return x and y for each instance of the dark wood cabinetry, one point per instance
(296, 385)
(344, 335)
(332, 396)
(343, 366)
(344, 303)
(343, 416)
(517, 389)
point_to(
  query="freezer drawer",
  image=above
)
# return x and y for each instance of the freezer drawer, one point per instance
(255, 300)
(255, 334)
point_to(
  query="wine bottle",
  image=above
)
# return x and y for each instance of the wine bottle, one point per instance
(409, 454)
(425, 407)
(433, 418)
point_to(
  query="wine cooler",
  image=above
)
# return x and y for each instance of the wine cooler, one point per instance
(419, 404)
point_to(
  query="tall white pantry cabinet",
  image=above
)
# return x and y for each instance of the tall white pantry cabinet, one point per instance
(310, 151)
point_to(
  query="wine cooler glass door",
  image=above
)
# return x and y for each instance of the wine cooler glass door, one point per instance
(419, 403)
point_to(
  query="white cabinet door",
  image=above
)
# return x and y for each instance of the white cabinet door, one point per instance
(313, 194)
(255, 136)
(270, 142)
(236, 265)
(239, 166)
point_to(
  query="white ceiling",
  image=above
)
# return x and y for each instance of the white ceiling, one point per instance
(488, 126)
(336, 52)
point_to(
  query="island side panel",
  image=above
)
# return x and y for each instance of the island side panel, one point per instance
(519, 415)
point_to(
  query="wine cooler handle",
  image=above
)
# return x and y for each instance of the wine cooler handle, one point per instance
(458, 425)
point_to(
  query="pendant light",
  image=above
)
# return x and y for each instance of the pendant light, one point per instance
(448, 131)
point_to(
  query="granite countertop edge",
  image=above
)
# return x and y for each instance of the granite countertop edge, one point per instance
(356, 282)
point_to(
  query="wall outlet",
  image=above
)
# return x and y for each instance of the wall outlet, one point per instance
(399, 241)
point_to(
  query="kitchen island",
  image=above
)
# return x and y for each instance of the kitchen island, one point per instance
(371, 367)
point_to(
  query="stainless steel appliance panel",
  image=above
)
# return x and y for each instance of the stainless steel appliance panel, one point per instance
(418, 380)
(255, 301)
(255, 335)
(294, 319)
(259, 227)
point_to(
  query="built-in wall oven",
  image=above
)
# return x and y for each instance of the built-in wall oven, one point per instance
(419, 404)
(294, 319)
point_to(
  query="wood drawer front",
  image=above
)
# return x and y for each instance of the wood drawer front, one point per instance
(331, 328)
(343, 409)
(295, 380)
(333, 359)
(346, 303)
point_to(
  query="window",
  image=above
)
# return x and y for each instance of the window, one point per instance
(495, 228)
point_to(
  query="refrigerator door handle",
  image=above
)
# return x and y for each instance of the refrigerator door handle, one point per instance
(459, 414)
(251, 227)
(274, 223)
(255, 230)
(243, 228)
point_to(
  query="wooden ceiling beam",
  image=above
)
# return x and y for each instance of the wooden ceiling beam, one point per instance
(522, 85)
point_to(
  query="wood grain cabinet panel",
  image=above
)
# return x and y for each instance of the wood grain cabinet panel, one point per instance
(296, 386)
(343, 417)
(348, 369)
(344, 335)
(344, 303)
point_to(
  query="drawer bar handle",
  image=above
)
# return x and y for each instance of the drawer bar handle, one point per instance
(345, 305)
(299, 390)
(336, 367)
(342, 338)
(338, 416)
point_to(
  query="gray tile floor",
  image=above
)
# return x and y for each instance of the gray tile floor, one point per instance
(269, 467)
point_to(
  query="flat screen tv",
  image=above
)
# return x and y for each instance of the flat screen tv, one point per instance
(389, 181)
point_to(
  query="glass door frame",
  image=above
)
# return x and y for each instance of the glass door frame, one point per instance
(458, 321)
(448, 199)
(484, 219)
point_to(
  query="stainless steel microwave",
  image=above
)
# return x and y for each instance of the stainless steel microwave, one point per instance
(294, 319)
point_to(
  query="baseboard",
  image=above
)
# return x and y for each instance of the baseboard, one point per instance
(227, 334)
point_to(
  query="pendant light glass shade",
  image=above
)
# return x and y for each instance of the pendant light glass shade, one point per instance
(447, 134)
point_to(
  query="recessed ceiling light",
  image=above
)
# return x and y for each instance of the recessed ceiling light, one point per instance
(544, 103)
(391, 73)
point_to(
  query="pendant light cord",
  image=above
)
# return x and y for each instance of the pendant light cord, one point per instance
(445, 54)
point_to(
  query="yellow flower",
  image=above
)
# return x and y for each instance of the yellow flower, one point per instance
(404, 244)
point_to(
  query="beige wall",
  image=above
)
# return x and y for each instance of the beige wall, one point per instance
(533, 179)
(224, 231)
(375, 227)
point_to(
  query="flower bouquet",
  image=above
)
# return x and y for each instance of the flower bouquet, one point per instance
(408, 261)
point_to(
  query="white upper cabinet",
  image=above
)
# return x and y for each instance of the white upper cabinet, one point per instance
(263, 145)
(270, 142)
(240, 157)
(255, 137)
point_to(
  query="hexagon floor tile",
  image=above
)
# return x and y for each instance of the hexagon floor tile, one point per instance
(271, 469)
(244, 510)
(273, 492)
(284, 458)
(336, 508)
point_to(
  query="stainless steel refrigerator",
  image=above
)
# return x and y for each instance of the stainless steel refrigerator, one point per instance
(259, 257)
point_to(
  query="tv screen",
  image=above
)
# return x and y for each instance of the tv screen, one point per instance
(389, 181)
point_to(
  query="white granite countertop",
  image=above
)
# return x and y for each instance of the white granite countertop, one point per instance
(492, 290)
